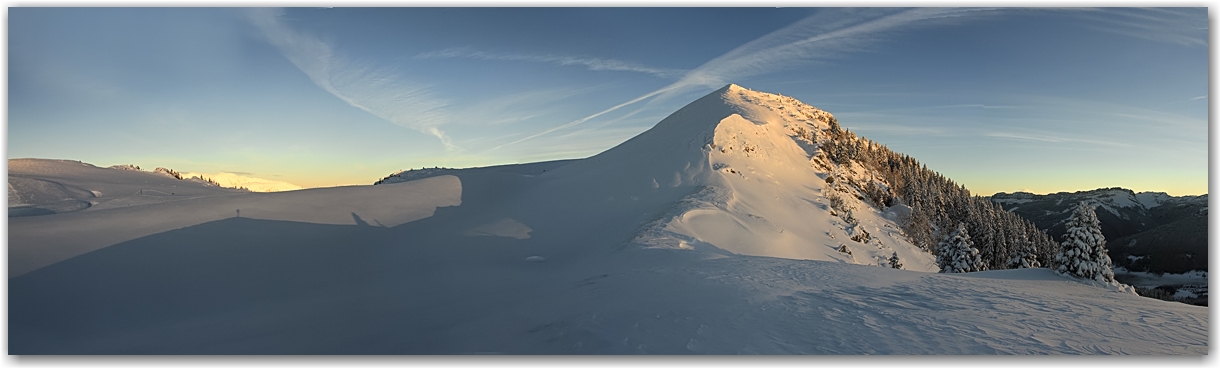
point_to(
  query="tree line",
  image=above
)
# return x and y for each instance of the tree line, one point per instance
(939, 206)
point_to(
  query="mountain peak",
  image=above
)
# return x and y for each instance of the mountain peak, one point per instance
(688, 135)
(744, 172)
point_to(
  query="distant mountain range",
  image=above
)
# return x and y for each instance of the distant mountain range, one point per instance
(1147, 231)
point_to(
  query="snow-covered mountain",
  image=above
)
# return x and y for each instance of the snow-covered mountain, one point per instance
(726, 228)
(736, 171)
(1134, 209)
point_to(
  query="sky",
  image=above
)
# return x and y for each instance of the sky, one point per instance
(1013, 99)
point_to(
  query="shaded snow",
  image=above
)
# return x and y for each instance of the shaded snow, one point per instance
(635, 301)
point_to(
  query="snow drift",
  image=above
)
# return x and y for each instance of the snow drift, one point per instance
(711, 233)
(38, 241)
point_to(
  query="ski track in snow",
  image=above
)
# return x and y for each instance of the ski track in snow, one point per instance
(664, 244)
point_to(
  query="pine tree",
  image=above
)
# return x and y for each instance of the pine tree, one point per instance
(1024, 259)
(894, 262)
(918, 228)
(1084, 253)
(1023, 254)
(956, 254)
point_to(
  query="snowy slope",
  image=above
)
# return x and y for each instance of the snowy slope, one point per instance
(664, 244)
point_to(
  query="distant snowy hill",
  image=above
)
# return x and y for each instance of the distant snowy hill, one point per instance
(253, 184)
(1148, 231)
(733, 226)
(42, 187)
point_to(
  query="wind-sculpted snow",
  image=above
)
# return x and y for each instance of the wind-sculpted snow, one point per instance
(721, 230)
(39, 241)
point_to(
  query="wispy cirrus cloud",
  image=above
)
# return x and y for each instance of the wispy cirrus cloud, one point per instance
(520, 105)
(1184, 26)
(926, 131)
(975, 106)
(825, 35)
(1124, 117)
(582, 120)
(590, 63)
(1051, 138)
(378, 90)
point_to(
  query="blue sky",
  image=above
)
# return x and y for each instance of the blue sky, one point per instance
(999, 100)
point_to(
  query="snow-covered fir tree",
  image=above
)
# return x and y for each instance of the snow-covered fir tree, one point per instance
(894, 262)
(956, 254)
(1084, 253)
(1024, 259)
(1023, 255)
